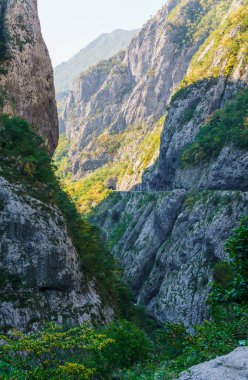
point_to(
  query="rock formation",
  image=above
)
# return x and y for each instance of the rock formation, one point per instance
(169, 234)
(27, 75)
(231, 366)
(41, 274)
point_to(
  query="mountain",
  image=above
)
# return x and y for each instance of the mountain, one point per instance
(166, 118)
(103, 47)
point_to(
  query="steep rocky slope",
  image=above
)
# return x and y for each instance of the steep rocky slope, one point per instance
(169, 235)
(27, 76)
(103, 47)
(132, 91)
(41, 271)
(41, 276)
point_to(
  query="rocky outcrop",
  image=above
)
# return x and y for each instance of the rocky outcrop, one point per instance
(233, 366)
(41, 277)
(26, 78)
(195, 104)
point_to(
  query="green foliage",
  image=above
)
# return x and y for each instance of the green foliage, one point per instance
(228, 126)
(130, 154)
(191, 20)
(131, 345)
(52, 353)
(22, 154)
(235, 287)
(227, 42)
(79, 353)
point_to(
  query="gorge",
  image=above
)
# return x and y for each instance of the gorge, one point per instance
(153, 153)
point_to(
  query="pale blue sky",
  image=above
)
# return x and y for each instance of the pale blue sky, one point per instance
(69, 25)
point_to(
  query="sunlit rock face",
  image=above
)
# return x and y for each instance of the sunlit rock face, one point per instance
(27, 75)
(169, 235)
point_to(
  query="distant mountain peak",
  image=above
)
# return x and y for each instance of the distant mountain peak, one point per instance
(104, 46)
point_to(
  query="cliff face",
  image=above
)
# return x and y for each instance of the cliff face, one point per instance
(133, 89)
(27, 76)
(169, 235)
(41, 272)
(41, 277)
(103, 47)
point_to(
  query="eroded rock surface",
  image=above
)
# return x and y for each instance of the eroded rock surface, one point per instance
(41, 277)
(168, 243)
(27, 78)
(233, 366)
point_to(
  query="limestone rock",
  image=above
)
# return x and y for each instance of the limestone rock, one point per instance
(233, 366)
(168, 243)
(41, 278)
(28, 74)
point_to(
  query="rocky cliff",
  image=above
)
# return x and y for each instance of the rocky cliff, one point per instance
(27, 87)
(103, 47)
(41, 270)
(131, 92)
(41, 276)
(169, 235)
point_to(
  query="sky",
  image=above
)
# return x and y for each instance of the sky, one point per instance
(68, 26)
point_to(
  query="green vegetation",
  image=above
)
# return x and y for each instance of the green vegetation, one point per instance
(233, 286)
(228, 48)
(25, 161)
(60, 158)
(227, 127)
(139, 148)
(78, 353)
(191, 20)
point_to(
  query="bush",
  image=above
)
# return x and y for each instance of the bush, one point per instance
(236, 289)
(130, 345)
(52, 353)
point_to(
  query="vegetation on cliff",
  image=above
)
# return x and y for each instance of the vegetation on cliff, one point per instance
(227, 127)
(24, 160)
(224, 50)
(138, 349)
(130, 154)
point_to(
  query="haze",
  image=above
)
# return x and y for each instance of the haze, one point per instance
(68, 26)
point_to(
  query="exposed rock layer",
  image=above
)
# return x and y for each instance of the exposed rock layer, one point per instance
(168, 243)
(28, 80)
(134, 88)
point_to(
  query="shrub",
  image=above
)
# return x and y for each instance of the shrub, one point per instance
(236, 288)
(131, 345)
(52, 353)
